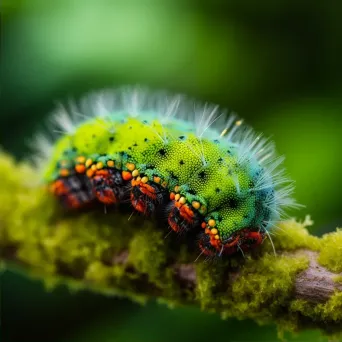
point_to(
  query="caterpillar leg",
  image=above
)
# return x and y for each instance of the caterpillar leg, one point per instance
(73, 191)
(243, 240)
(147, 196)
(108, 186)
(182, 217)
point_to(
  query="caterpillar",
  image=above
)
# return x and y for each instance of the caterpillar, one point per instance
(208, 172)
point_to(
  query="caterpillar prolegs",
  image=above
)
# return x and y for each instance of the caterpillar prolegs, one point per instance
(209, 173)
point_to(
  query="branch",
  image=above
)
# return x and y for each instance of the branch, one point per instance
(300, 287)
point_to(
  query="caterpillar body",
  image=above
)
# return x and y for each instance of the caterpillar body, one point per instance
(209, 173)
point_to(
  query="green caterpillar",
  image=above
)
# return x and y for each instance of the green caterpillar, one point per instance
(208, 173)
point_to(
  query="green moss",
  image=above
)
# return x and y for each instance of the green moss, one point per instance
(146, 252)
(331, 251)
(337, 278)
(291, 235)
(263, 287)
(114, 256)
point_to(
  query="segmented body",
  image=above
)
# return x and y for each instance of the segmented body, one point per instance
(223, 181)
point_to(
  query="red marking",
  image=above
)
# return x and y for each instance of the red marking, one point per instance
(73, 202)
(172, 196)
(205, 250)
(204, 225)
(233, 243)
(127, 176)
(145, 189)
(106, 196)
(138, 204)
(58, 188)
(102, 172)
(173, 224)
(187, 213)
(148, 190)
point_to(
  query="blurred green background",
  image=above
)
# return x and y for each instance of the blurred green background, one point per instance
(276, 63)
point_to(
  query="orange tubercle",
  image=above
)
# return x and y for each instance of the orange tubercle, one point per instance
(80, 168)
(126, 175)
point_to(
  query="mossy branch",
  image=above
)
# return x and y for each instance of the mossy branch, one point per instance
(300, 287)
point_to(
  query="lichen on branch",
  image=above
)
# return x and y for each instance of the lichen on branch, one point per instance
(115, 253)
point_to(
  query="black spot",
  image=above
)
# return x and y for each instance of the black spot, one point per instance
(146, 140)
(130, 148)
(220, 160)
(172, 175)
(202, 175)
(191, 192)
(135, 145)
(216, 141)
(217, 190)
(93, 136)
(181, 162)
(130, 127)
(74, 149)
(111, 139)
(229, 151)
(233, 203)
(162, 152)
(245, 216)
(145, 121)
(182, 137)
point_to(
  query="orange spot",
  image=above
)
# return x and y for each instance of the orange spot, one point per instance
(211, 223)
(110, 163)
(196, 204)
(64, 172)
(178, 205)
(90, 173)
(126, 175)
(207, 231)
(172, 196)
(204, 225)
(156, 179)
(80, 168)
(130, 166)
(214, 231)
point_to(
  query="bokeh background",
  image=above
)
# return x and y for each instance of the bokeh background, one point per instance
(276, 63)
